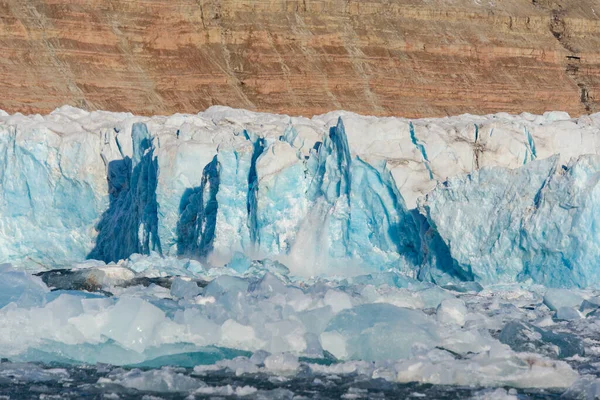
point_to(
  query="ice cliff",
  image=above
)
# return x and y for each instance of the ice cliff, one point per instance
(494, 199)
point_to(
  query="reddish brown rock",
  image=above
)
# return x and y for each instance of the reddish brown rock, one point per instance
(408, 57)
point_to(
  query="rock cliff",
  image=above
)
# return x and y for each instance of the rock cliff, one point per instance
(415, 58)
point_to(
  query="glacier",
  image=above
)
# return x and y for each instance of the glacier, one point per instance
(491, 199)
(143, 329)
(161, 252)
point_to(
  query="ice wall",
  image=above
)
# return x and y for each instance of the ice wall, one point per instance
(333, 194)
(130, 224)
(316, 212)
(537, 222)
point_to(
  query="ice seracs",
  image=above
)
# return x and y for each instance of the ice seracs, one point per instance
(503, 198)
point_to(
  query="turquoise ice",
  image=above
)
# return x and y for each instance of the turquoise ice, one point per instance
(332, 195)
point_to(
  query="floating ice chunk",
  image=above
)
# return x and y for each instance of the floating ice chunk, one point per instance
(91, 321)
(113, 274)
(567, 314)
(158, 380)
(283, 363)
(259, 357)
(496, 394)
(64, 307)
(20, 288)
(184, 288)
(229, 292)
(236, 335)
(269, 285)
(337, 300)
(589, 305)
(224, 285)
(557, 298)
(586, 388)
(84, 295)
(240, 365)
(272, 266)
(228, 390)
(132, 323)
(335, 343)
(378, 332)
(203, 330)
(140, 262)
(286, 335)
(524, 337)
(433, 296)
(452, 311)
(343, 368)
(88, 264)
(398, 297)
(466, 341)
(24, 372)
(297, 299)
(391, 278)
(316, 320)
(497, 367)
(186, 355)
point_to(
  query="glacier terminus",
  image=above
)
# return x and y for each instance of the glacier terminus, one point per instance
(494, 199)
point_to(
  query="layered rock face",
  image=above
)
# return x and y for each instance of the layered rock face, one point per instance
(409, 57)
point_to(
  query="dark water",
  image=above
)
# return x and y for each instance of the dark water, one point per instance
(83, 383)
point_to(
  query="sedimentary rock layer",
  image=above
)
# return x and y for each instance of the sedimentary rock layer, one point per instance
(411, 58)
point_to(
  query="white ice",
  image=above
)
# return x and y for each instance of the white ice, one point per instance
(393, 332)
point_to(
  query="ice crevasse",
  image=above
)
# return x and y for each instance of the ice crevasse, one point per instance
(493, 199)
